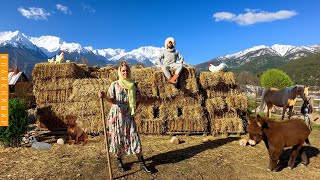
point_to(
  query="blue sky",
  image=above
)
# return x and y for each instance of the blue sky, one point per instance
(203, 29)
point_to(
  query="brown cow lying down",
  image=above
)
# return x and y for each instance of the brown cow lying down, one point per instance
(278, 135)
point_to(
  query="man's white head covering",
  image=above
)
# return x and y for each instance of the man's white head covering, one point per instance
(166, 42)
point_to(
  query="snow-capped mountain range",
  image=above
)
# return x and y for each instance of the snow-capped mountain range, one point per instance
(51, 45)
(31, 50)
(276, 50)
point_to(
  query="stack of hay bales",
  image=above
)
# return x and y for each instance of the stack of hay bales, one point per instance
(223, 102)
(64, 89)
(165, 108)
(198, 103)
(52, 88)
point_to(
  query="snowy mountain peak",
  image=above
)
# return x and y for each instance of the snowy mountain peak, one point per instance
(15, 39)
(241, 53)
(49, 43)
(108, 53)
(282, 49)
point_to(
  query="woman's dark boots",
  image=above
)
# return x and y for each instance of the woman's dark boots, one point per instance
(143, 165)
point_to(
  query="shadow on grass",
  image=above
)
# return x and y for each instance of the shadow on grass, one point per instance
(310, 151)
(188, 152)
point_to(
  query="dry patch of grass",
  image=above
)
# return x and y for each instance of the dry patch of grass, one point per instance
(219, 158)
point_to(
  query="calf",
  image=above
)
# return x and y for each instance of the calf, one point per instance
(278, 135)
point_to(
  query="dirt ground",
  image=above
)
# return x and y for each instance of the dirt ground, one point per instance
(219, 158)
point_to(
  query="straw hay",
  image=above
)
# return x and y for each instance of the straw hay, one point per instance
(182, 100)
(142, 74)
(222, 92)
(167, 90)
(85, 90)
(162, 107)
(145, 112)
(227, 125)
(194, 112)
(151, 126)
(147, 89)
(215, 104)
(109, 72)
(91, 123)
(52, 116)
(168, 111)
(45, 71)
(53, 84)
(191, 85)
(185, 125)
(56, 96)
(237, 102)
(210, 80)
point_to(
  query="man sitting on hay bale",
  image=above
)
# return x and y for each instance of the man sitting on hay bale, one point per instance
(169, 60)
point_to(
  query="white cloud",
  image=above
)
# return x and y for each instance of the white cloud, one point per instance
(88, 8)
(253, 16)
(34, 13)
(63, 9)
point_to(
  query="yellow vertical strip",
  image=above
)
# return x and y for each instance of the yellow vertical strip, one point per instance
(4, 90)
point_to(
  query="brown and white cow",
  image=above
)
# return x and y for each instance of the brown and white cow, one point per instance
(278, 135)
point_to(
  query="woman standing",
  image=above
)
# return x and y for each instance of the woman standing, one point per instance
(124, 138)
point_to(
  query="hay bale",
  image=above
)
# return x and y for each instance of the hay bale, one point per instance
(209, 80)
(147, 89)
(109, 72)
(227, 125)
(215, 104)
(53, 84)
(237, 101)
(228, 78)
(167, 90)
(91, 123)
(151, 126)
(194, 112)
(46, 71)
(55, 96)
(142, 74)
(181, 124)
(145, 112)
(216, 92)
(182, 100)
(87, 89)
(166, 111)
(191, 86)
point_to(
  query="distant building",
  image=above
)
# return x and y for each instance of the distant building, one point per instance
(15, 77)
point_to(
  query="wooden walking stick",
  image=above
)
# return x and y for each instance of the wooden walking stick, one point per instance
(105, 137)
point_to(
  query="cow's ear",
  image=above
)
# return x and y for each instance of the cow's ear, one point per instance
(260, 120)
(249, 118)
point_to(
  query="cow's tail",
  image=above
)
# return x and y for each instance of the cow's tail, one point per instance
(307, 141)
(262, 100)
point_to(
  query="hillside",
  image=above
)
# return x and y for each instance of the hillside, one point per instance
(260, 58)
(304, 70)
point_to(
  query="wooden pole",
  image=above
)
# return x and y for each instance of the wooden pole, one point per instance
(105, 138)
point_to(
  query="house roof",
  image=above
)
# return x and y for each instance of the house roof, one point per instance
(13, 78)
